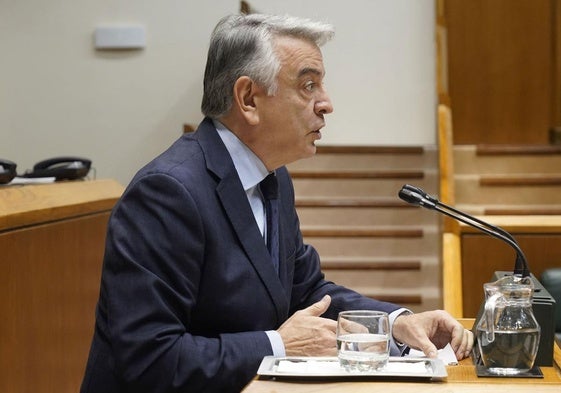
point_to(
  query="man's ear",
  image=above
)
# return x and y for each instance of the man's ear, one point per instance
(245, 90)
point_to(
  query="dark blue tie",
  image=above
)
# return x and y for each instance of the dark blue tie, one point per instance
(270, 190)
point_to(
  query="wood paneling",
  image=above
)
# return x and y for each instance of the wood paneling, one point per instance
(51, 240)
(369, 239)
(483, 255)
(49, 288)
(502, 58)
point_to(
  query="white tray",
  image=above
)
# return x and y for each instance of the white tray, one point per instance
(328, 367)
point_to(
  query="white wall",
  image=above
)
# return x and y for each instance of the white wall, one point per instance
(59, 96)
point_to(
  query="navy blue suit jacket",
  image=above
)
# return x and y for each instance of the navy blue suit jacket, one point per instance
(188, 288)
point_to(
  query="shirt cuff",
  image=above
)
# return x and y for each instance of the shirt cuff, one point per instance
(276, 343)
(397, 348)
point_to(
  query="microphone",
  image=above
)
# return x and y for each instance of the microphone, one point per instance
(416, 196)
(543, 303)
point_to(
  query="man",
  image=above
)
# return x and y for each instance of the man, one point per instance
(191, 297)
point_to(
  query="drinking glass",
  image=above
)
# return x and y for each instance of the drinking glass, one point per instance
(363, 340)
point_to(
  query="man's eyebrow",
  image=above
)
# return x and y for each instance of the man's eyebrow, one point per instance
(309, 70)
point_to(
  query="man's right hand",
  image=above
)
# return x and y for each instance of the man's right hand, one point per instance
(305, 333)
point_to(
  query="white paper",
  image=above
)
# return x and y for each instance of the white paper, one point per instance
(445, 354)
(31, 180)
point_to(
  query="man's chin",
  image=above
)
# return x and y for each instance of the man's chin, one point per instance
(312, 149)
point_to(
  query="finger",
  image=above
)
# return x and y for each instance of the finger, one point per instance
(318, 308)
(465, 347)
(469, 343)
(458, 337)
(429, 349)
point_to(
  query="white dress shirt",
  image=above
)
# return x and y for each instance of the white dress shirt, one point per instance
(251, 172)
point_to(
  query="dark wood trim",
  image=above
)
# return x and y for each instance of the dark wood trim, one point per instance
(523, 211)
(299, 174)
(502, 149)
(349, 264)
(541, 180)
(417, 150)
(362, 232)
(353, 202)
(397, 299)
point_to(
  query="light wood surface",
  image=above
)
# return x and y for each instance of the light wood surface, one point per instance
(40, 203)
(452, 275)
(461, 378)
(52, 239)
(521, 224)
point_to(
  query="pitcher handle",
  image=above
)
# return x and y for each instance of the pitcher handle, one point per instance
(490, 316)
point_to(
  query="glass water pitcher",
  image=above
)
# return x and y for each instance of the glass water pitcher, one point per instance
(508, 334)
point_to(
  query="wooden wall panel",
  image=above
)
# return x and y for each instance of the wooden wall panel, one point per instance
(52, 239)
(48, 291)
(501, 69)
(482, 255)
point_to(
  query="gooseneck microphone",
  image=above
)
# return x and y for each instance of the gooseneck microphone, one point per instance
(543, 303)
(416, 196)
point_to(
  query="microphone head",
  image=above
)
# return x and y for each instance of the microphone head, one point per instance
(421, 192)
(411, 195)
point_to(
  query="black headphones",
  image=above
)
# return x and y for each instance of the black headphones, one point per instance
(61, 168)
(7, 171)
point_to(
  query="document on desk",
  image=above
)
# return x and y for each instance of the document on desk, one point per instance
(445, 354)
(36, 180)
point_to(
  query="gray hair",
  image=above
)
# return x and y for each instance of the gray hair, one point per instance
(242, 45)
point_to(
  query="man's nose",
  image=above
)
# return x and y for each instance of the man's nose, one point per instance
(323, 105)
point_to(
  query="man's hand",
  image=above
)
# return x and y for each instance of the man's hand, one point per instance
(432, 330)
(307, 334)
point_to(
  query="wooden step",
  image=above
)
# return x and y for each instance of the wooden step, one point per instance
(467, 160)
(521, 180)
(368, 158)
(469, 190)
(367, 238)
(510, 210)
(398, 298)
(396, 247)
(369, 263)
(509, 149)
(403, 280)
(366, 216)
(360, 232)
(360, 188)
(531, 210)
(365, 202)
(377, 150)
(358, 174)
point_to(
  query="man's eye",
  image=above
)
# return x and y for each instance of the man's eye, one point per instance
(309, 86)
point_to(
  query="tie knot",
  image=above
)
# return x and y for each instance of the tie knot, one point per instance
(269, 187)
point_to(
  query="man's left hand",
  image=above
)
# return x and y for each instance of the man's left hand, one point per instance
(432, 330)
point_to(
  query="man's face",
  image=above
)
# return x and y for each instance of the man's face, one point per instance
(292, 118)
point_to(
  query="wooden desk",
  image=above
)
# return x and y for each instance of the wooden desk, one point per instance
(461, 379)
(52, 238)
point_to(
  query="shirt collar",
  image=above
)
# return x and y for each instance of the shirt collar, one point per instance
(250, 168)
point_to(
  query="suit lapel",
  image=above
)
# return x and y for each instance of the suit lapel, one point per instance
(236, 206)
